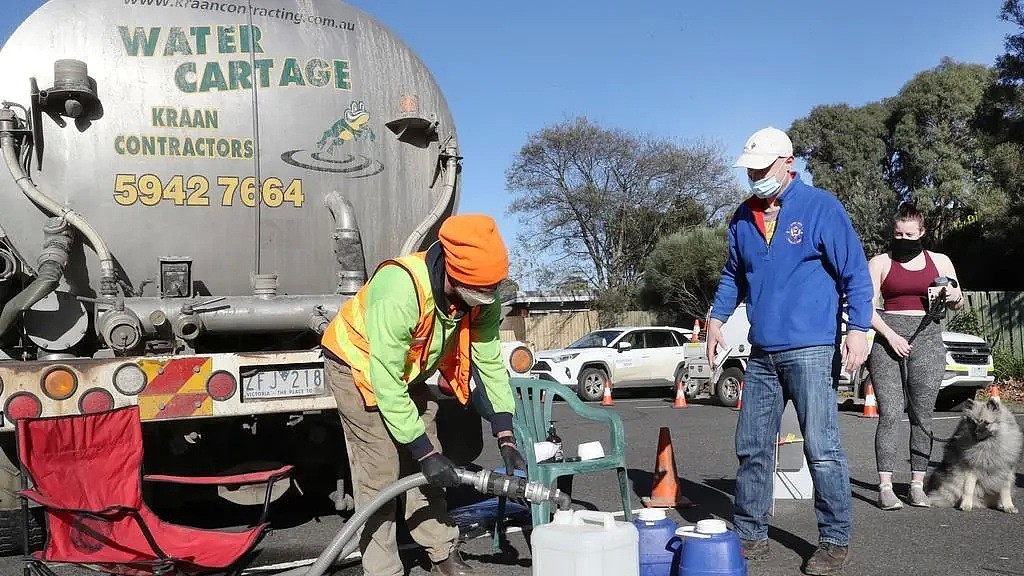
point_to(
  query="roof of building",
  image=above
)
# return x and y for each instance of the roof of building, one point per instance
(539, 296)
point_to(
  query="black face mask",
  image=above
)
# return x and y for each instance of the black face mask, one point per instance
(904, 250)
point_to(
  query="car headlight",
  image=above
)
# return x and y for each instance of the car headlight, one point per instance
(565, 357)
(521, 359)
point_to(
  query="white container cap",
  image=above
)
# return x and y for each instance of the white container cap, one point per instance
(651, 514)
(562, 517)
(712, 526)
(544, 450)
(590, 451)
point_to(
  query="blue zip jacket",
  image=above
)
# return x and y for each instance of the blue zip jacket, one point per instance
(793, 285)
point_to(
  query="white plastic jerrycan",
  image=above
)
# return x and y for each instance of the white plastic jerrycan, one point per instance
(585, 543)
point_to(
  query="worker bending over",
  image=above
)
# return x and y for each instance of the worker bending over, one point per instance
(423, 313)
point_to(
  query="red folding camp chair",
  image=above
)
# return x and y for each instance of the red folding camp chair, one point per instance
(87, 476)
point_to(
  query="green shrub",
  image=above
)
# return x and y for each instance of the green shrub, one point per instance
(1007, 365)
(965, 321)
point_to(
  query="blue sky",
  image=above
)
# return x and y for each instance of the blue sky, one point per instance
(681, 69)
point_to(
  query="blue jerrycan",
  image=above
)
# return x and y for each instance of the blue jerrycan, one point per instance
(710, 549)
(657, 533)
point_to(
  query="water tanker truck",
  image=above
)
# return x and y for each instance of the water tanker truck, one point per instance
(190, 190)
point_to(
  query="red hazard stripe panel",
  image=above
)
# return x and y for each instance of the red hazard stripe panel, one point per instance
(182, 405)
(174, 376)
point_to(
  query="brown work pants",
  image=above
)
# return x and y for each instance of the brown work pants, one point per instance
(376, 461)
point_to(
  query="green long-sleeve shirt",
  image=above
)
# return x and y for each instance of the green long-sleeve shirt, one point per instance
(391, 315)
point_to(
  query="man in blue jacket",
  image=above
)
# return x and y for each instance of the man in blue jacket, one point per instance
(796, 260)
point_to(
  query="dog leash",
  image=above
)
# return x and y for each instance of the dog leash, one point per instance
(933, 314)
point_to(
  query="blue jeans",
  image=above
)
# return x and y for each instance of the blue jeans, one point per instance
(808, 377)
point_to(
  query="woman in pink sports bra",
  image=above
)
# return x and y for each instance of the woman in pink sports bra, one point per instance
(901, 277)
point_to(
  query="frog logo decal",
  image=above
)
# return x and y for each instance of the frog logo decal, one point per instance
(354, 124)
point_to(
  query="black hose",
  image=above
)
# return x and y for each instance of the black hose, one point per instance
(52, 260)
(45, 283)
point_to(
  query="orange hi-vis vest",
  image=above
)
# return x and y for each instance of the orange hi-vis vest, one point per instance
(345, 336)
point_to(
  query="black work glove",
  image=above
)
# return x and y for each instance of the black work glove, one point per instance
(510, 455)
(439, 470)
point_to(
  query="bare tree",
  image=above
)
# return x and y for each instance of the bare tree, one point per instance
(595, 201)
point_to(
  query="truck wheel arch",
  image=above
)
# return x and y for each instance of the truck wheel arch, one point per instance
(735, 363)
(680, 367)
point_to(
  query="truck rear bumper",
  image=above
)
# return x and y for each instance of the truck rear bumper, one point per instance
(182, 387)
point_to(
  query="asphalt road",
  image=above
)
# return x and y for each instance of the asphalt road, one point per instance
(908, 541)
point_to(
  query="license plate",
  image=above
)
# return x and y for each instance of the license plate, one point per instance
(977, 371)
(294, 383)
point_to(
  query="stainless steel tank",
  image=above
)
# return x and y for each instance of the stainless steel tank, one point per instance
(226, 133)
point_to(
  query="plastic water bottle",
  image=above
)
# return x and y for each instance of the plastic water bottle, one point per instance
(710, 549)
(657, 533)
(585, 543)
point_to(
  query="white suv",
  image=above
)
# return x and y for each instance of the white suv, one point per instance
(625, 356)
(969, 367)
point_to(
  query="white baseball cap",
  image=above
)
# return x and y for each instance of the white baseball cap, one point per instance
(764, 147)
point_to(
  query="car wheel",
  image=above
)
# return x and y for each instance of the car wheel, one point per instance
(727, 390)
(691, 387)
(591, 384)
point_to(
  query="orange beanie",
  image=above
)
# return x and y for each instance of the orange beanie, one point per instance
(474, 253)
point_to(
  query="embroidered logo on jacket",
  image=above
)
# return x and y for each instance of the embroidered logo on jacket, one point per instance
(795, 233)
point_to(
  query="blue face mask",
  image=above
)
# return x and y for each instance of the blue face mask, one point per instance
(766, 187)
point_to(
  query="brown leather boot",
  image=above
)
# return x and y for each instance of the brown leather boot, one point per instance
(829, 559)
(454, 565)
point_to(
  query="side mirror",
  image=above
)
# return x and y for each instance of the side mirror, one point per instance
(623, 346)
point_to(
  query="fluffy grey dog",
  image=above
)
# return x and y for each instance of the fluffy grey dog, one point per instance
(980, 460)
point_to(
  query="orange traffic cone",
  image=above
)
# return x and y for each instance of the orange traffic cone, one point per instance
(665, 486)
(680, 395)
(606, 400)
(870, 405)
(739, 400)
(696, 330)
(993, 392)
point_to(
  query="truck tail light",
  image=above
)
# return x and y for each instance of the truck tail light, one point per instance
(59, 383)
(129, 379)
(95, 400)
(521, 359)
(23, 405)
(221, 385)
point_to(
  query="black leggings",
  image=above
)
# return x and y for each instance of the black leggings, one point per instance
(925, 367)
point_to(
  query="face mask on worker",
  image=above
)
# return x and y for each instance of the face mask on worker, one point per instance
(904, 250)
(765, 187)
(475, 297)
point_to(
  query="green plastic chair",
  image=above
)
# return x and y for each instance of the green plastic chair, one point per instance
(532, 420)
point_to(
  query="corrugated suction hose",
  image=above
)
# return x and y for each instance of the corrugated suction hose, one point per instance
(346, 540)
